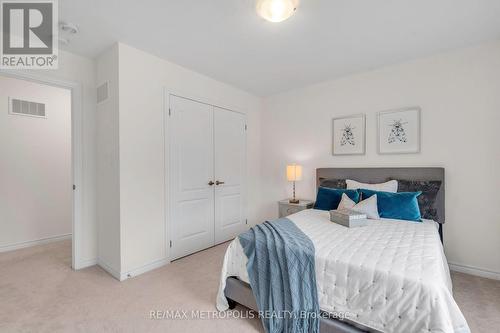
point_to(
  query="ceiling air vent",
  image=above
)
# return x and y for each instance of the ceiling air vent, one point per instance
(26, 108)
(102, 92)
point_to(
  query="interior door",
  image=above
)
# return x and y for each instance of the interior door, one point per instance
(230, 171)
(192, 171)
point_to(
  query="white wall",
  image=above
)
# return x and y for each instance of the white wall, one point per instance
(108, 168)
(459, 93)
(142, 82)
(82, 70)
(35, 165)
(143, 78)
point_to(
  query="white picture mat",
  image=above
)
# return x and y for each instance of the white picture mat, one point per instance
(409, 119)
(357, 124)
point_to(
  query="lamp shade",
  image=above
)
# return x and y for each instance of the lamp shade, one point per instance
(293, 172)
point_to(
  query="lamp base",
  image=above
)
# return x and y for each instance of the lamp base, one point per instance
(294, 201)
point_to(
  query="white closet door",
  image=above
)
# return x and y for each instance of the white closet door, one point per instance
(230, 169)
(191, 169)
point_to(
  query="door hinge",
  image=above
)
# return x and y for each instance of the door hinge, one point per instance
(245, 127)
(170, 243)
(74, 187)
(246, 221)
(169, 111)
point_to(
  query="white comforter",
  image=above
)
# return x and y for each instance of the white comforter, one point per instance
(390, 276)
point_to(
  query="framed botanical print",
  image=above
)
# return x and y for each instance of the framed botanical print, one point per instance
(349, 135)
(399, 131)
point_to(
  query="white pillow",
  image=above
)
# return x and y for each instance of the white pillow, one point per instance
(367, 206)
(390, 186)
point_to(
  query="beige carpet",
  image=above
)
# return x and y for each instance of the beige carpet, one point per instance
(39, 292)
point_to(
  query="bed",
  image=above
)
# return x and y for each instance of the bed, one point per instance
(389, 276)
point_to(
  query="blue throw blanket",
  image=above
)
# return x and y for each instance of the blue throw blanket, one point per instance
(282, 276)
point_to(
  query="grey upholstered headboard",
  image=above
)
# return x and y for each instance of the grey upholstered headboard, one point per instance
(379, 175)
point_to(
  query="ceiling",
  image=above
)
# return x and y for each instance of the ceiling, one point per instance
(325, 39)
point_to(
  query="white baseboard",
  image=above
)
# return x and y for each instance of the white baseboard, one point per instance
(41, 241)
(108, 269)
(145, 268)
(134, 272)
(474, 271)
(85, 263)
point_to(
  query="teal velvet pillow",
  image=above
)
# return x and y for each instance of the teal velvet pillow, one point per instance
(400, 206)
(329, 198)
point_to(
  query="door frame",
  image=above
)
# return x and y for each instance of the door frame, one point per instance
(167, 92)
(76, 152)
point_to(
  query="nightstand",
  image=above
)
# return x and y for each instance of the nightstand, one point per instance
(286, 208)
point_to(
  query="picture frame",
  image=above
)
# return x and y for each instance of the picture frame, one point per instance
(398, 131)
(349, 135)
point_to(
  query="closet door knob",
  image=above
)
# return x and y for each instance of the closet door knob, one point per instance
(218, 182)
(211, 183)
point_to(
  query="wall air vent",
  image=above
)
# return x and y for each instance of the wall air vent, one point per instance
(26, 108)
(102, 92)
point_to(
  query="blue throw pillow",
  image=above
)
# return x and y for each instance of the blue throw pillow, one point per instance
(329, 198)
(400, 206)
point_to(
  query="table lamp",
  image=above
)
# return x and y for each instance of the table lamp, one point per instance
(293, 174)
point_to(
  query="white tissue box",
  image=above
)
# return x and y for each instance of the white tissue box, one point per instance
(348, 218)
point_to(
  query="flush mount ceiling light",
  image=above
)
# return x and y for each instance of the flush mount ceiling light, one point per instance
(276, 10)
